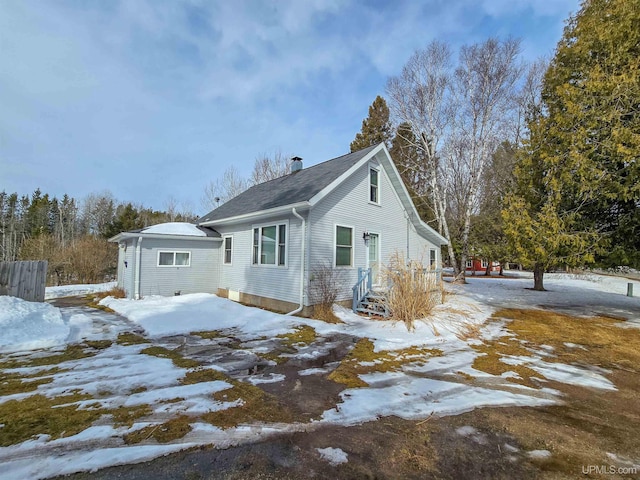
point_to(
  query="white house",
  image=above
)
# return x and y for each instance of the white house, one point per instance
(261, 247)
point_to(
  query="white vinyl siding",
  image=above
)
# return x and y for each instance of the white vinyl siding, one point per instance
(200, 277)
(279, 282)
(349, 205)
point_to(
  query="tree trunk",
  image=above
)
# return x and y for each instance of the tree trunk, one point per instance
(538, 274)
(460, 277)
(501, 270)
(487, 272)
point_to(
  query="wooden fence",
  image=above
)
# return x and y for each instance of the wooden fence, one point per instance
(25, 280)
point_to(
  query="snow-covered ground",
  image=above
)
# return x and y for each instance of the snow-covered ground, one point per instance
(120, 376)
(73, 290)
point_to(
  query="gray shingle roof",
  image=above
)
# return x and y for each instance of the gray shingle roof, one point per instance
(296, 187)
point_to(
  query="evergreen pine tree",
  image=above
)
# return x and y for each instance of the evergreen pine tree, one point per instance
(376, 128)
(577, 193)
(411, 164)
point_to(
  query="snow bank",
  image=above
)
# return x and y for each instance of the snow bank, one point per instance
(29, 325)
(175, 228)
(75, 290)
(161, 316)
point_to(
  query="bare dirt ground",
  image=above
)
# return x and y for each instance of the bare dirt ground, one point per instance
(593, 434)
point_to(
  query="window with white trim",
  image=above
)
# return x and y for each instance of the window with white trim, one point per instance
(432, 258)
(228, 248)
(270, 245)
(484, 263)
(344, 246)
(374, 185)
(469, 263)
(174, 259)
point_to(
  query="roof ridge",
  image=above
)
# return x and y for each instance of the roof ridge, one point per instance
(312, 166)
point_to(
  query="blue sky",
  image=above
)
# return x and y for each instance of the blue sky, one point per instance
(150, 99)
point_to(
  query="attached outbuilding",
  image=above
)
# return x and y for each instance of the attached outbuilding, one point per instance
(168, 259)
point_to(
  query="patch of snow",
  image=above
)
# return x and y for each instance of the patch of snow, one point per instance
(415, 398)
(92, 460)
(539, 454)
(175, 228)
(584, 295)
(466, 430)
(510, 448)
(30, 325)
(572, 375)
(316, 371)
(270, 378)
(335, 456)
(75, 290)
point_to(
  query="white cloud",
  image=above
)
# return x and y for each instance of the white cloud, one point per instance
(115, 94)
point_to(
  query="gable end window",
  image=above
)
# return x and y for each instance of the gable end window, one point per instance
(374, 185)
(174, 259)
(270, 245)
(344, 246)
(228, 247)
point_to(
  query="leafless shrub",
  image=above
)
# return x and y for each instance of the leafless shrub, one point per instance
(92, 259)
(324, 286)
(414, 290)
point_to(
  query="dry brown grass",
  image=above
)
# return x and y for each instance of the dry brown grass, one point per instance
(11, 383)
(115, 292)
(257, 406)
(590, 422)
(301, 336)
(325, 313)
(363, 359)
(604, 343)
(177, 359)
(414, 292)
(129, 338)
(164, 433)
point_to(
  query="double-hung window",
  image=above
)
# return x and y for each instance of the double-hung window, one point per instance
(374, 185)
(432, 258)
(228, 248)
(270, 245)
(344, 246)
(174, 259)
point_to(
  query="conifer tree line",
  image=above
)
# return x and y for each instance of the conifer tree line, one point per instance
(530, 163)
(70, 234)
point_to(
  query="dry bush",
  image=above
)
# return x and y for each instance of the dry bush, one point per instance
(414, 290)
(92, 259)
(324, 286)
(45, 247)
(115, 292)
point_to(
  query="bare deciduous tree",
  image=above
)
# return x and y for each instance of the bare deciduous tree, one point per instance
(486, 101)
(232, 184)
(419, 97)
(269, 167)
(458, 117)
(224, 189)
